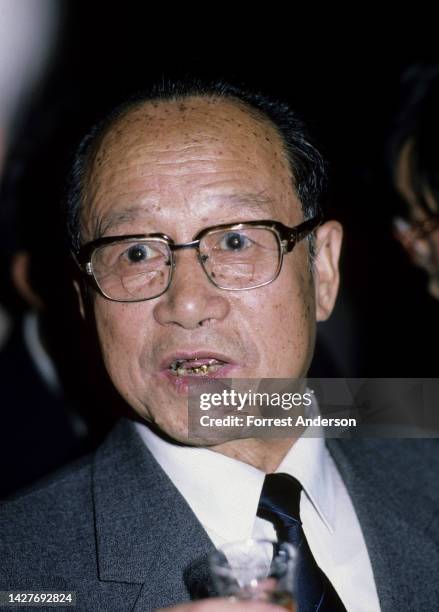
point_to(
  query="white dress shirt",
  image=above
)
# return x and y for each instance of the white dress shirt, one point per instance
(224, 495)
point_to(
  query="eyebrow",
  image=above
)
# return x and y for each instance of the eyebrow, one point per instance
(125, 215)
(248, 201)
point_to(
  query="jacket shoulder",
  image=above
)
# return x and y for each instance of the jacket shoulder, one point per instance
(48, 528)
(402, 470)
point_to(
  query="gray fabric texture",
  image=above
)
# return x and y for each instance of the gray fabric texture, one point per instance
(113, 527)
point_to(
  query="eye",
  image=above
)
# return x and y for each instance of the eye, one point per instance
(234, 241)
(138, 253)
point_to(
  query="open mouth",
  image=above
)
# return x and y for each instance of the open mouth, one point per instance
(195, 367)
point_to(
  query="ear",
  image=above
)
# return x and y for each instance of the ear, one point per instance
(80, 296)
(326, 275)
(20, 273)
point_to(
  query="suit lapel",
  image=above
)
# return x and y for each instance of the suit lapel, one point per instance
(145, 531)
(394, 518)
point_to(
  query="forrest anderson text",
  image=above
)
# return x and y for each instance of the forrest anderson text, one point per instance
(250, 420)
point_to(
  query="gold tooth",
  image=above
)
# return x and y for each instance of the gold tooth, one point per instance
(203, 369)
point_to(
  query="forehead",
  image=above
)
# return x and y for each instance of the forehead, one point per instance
(192, 120)
(187, 149)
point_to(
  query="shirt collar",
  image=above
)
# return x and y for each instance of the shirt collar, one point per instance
(222, 492)
(308, 460)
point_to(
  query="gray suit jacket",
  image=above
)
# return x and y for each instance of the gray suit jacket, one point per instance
(114, 529)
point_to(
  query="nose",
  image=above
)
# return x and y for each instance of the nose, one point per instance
(192, 300)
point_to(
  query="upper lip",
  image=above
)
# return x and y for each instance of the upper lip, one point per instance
(193, 355)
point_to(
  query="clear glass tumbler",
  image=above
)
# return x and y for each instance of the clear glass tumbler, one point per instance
(258, 570)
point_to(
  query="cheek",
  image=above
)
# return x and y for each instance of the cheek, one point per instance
(121, 338)
(284, 325)
(296, 333)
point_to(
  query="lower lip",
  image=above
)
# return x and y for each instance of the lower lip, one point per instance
(181, 384)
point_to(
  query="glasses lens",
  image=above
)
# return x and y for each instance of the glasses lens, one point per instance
(241, 258)
(132, 270)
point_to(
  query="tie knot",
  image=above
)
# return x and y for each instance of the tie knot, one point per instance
(280, 499)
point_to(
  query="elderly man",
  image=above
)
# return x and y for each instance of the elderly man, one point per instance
(166, 194)
(31, 379)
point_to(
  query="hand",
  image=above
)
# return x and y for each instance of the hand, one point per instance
(224, 605)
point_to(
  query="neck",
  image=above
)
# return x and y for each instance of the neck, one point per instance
(265, 455)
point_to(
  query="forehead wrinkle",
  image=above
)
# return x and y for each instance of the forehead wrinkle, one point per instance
(144, 156)
(113, 188)
(124, 173)
(130, 151)
(94, 217)
(194, 168)
(101, 188)
(249, 203)
(126, 215)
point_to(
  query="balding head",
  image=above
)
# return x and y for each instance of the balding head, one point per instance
(179, 132)
(277, 121)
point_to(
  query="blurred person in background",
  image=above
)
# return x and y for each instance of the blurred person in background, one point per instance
(27, 33)
(415, 169)
(41, 382)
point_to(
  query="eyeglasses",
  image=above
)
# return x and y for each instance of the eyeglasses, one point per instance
(235, 257)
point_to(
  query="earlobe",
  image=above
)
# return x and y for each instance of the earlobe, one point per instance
(80, 296)
(326, 274)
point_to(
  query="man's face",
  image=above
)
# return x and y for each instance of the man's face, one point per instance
(176, 168)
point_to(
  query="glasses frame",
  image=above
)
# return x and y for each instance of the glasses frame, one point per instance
(287, 238)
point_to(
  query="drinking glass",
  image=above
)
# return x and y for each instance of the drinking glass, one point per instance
(258, 570)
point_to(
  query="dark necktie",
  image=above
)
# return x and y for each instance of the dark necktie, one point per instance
(279, 504)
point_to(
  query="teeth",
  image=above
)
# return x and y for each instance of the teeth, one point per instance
(182, 371)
